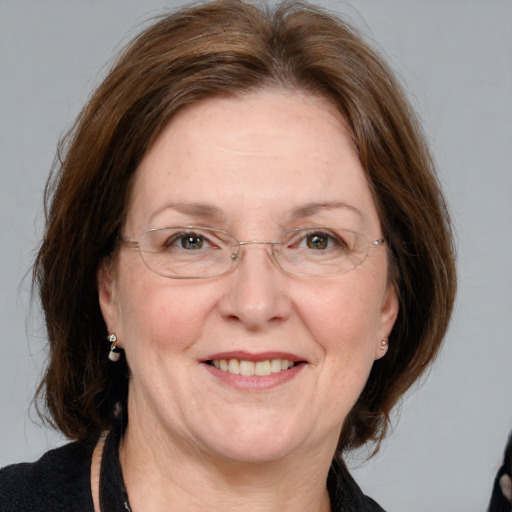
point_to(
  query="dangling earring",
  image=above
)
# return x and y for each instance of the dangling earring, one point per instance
(384, 344)
(115, 351)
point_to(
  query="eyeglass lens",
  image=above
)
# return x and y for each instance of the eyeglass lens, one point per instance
(196, 252)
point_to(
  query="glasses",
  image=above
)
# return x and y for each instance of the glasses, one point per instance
(194, 252)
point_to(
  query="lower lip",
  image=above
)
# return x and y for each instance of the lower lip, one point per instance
(256, 382)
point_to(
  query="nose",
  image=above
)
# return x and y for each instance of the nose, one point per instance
(256, 295)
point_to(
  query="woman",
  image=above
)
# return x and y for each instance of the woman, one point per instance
(247, 211)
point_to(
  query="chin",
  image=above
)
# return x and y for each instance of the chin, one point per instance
(259, 451)
(261, 442)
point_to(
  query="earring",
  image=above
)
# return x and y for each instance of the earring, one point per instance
(115, 351)
(384, 344)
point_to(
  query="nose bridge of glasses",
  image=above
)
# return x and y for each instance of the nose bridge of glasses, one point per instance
(254, 242)
(272, 243)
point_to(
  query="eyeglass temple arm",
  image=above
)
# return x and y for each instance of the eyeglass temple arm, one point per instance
(129, 243)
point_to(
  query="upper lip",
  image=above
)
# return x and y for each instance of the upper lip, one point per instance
(242, 355)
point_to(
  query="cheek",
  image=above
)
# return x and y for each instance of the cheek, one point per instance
(344, 320)
(345, 311)
(159, 315)
(344, 324)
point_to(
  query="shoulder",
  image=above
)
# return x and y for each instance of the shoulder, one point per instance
(346, 495)
(58, 481)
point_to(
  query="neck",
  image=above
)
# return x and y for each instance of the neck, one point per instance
(165, 473)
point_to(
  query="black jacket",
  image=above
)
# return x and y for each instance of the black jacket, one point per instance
(60, 482)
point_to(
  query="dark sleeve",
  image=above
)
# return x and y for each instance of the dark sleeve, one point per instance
(59, 481)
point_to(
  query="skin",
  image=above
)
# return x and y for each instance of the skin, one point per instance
(256, 161)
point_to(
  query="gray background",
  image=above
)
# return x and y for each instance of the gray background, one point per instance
(455, 57)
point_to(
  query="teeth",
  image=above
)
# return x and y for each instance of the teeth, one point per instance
(250, 368)
(234, 366)
(246, 368)
(275, 365)
(262, 368)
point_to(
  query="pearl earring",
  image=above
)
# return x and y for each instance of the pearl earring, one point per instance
(384, 344)
(115, 351)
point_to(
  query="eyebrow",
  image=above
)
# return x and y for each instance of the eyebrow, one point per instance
(204, 210)
(309, 209)
(213, 213)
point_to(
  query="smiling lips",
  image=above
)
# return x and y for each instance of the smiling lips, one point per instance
(251, 368)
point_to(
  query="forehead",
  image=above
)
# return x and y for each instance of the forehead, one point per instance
(268, 152)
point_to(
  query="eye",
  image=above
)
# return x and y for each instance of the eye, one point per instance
(321, 241)
(317, 241)
(188, 241)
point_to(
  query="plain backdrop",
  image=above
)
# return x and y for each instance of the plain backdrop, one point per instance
(455, 59)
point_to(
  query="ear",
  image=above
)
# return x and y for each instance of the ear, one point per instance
(106, 283)
(388, 313)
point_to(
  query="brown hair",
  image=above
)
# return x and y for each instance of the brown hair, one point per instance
(231, 47)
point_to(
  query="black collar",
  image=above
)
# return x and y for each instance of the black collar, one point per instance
(113, 495)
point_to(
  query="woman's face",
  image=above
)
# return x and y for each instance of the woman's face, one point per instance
(253, 166)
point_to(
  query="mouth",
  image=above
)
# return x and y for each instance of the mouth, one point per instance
(248, 368)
